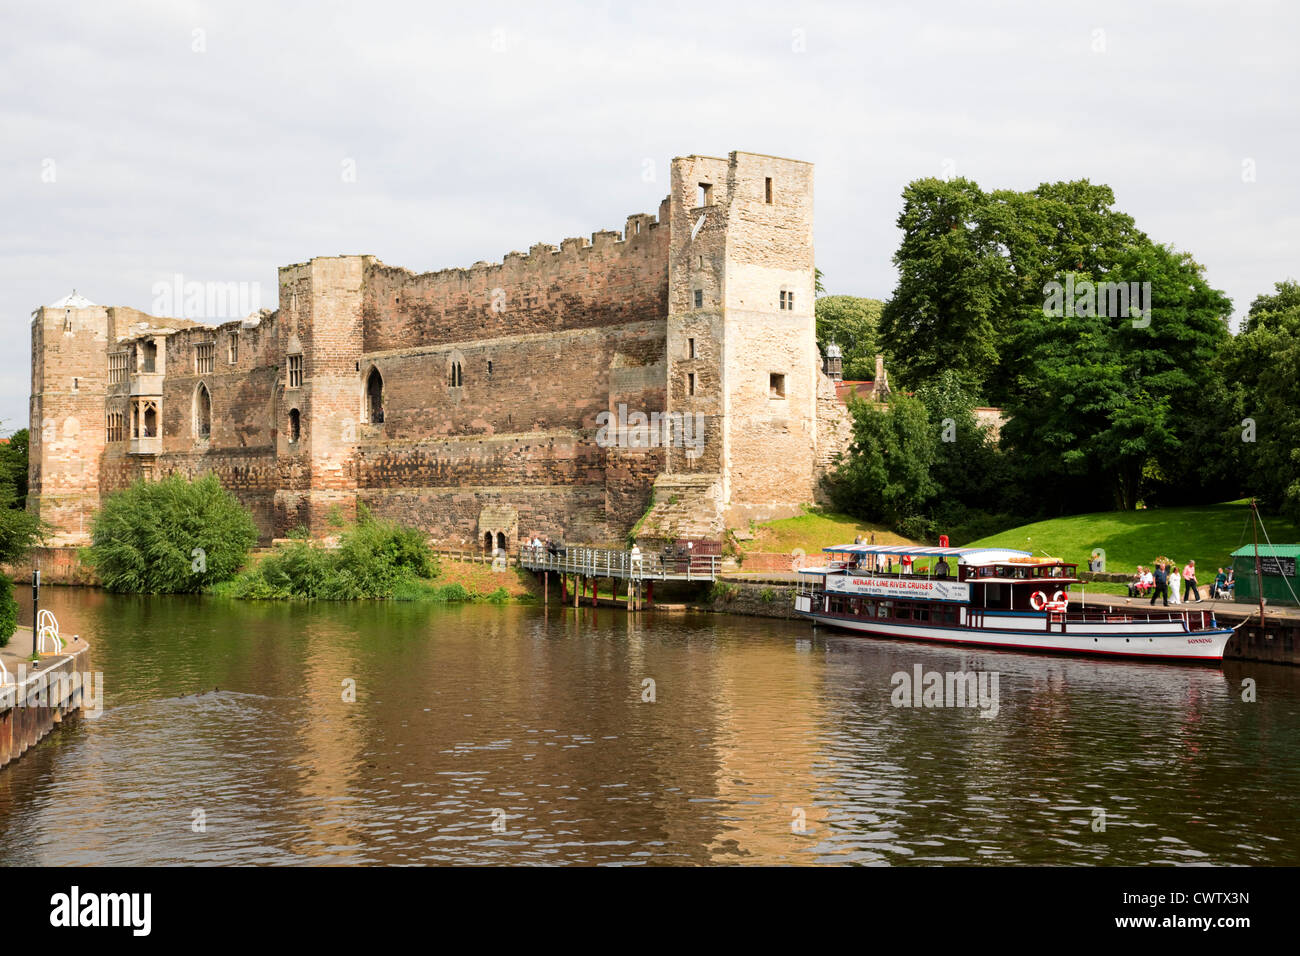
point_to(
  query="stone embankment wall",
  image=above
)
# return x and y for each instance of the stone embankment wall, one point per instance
(25, 718)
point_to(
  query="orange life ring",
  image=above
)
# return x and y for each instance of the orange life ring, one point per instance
(1037, 600)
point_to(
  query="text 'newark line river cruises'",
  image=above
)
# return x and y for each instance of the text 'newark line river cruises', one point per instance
(991, 598)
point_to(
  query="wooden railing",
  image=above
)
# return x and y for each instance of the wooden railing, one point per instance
(607, 563)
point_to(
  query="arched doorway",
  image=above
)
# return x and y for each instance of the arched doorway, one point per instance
(501, 540)
(487, 541)
(374, 400)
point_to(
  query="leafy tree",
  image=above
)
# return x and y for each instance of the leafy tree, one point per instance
(13, 467)
(19, 528)
(170, 536)
(1262, 368)
(968, 468)
(886, 474)
(946, 309)
(970, 262)
(1108, 400)
(850, 322)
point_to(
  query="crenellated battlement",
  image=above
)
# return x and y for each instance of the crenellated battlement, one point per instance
(543, 254)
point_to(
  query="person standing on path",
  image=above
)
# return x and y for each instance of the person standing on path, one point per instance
(1162, 584)
(1189, 582)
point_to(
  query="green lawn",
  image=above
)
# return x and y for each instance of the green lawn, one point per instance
(1205, 534)
(813, 530)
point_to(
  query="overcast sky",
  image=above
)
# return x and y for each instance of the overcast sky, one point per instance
(141, 140)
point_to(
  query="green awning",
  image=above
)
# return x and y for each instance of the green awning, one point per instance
(1269, 550)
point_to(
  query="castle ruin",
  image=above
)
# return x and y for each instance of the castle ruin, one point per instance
(469, 402)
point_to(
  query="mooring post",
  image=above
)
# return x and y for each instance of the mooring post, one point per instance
(546, 588)
(36, 607)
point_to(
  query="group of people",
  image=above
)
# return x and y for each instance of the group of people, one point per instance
(1163, 582)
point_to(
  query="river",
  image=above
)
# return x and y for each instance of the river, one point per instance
(484, 734)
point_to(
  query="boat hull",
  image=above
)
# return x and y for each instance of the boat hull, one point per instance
(1204, 646)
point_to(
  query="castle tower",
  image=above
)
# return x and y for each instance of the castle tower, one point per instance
(69, 376)
(741, 340)
(324, 396)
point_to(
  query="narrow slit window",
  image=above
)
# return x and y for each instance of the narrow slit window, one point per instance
(690, 348)
(699, 298)
(767, 190)
(690, 383)
(705, 195)
(295, 424)
(234, 347)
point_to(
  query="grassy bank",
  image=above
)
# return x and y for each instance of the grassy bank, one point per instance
(467, 581)
(1206, 534)
(813, 530)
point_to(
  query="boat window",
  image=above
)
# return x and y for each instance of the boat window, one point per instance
(884, 608)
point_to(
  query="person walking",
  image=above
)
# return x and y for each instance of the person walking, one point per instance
(1162, 584)
(1189, 582)
(1174, 578)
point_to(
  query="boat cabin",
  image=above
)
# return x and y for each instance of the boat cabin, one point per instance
(919, 582)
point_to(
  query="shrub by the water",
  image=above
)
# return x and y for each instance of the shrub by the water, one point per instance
(374, 559)
(170, 536)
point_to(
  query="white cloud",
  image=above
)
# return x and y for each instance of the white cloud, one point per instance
(487, 128)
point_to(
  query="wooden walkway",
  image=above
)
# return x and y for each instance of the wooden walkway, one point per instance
(623, 565)
(579, 570)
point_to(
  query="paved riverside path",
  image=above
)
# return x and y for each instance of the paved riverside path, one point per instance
(18, 653)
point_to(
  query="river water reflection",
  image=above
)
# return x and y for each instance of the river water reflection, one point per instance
(766, 743)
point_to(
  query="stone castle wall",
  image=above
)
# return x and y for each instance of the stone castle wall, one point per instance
(494, 378)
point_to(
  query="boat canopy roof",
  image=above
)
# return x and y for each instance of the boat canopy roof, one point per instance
(963, 555)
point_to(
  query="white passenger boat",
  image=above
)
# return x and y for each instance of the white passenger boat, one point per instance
(991, 598)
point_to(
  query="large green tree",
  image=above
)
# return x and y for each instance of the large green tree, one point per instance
(1100, 400)
(946, 310)
(970, 262)
(1262, 370)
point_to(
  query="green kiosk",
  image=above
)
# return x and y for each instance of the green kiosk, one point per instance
(1278, 564)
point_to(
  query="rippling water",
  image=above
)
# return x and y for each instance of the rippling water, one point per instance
(766, 743)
